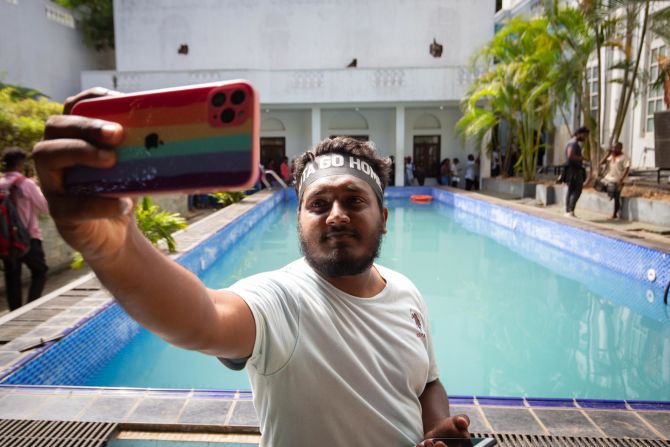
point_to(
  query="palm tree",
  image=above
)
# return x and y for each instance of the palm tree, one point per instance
(622, 26)
(517, 86)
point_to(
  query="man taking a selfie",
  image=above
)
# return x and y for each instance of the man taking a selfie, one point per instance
(337, 348)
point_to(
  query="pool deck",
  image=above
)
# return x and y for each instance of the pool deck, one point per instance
(25, 332)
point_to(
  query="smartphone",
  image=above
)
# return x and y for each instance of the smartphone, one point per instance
(467, 442)
(187, 139)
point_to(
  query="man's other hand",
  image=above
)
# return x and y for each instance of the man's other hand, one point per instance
(451, 427)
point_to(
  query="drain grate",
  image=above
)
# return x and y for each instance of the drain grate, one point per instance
(519, 440)
(27, 433)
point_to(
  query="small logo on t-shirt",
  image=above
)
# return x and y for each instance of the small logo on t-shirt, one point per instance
(417, 320)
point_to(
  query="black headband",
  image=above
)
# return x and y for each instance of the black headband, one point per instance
(340, 164)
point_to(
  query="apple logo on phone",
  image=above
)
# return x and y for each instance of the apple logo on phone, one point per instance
(152, 141)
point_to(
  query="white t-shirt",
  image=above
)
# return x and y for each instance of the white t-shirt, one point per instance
(470, 170)
(329, 368)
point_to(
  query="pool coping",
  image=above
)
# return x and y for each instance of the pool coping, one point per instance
(641, 417)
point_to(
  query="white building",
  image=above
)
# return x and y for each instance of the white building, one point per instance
(41, 48)
(638, 130)
(297, 54)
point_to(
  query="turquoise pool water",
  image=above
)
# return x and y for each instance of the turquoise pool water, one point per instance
(510, 316)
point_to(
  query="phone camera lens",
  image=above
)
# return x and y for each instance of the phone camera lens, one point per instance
(238, 97)
(228, 115)
(218, 99)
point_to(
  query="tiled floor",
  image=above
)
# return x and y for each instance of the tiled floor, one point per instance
(234, 411)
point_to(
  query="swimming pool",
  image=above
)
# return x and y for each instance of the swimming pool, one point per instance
(511, 315)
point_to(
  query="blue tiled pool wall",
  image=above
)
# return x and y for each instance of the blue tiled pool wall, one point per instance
(77, 356)
(644, 298)
(72, 360)
(623, 257)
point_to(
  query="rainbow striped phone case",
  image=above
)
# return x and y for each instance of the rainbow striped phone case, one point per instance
(196, 138)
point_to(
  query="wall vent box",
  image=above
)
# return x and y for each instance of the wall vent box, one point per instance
(662, 139)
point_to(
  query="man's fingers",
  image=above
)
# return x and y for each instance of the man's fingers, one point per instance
(462, 421)
(95, 92)
(95, 131)
(63, 153)
(74, 208)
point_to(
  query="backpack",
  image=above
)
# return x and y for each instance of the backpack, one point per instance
(14, 236)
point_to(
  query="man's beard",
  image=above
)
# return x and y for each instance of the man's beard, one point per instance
(339, 262)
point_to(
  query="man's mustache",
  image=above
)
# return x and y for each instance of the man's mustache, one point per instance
(335, 232)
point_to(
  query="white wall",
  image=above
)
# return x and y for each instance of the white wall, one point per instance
(380, 126)
(451, 144)
(39, 52)
(297, 34)
(297, 124)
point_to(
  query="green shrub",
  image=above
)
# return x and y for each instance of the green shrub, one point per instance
(23, 113)
(158, 225)
(155, 224)
(228, 198)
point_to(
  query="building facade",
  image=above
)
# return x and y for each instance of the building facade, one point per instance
(390, 72)
(637, 135)
(41, 48)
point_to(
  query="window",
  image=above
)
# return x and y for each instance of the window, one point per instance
(427, 155)
(655, 95)
(594, 100)
(273, 150)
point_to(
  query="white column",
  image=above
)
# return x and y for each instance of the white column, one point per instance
(316, 125)
(399, 145)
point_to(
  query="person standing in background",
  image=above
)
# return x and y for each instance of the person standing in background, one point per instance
(470, 173)
(495, 163)
(445, 172)
(616, 170)
(409, 171)
(30, 202)
(284, 171)
(455, 173)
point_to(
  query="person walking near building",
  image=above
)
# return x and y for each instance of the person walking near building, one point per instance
(30, 202)
(575, 174)
(617, 166)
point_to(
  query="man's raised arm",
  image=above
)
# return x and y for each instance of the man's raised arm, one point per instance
(161, 295)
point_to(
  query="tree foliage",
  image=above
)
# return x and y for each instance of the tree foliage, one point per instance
(23, 113)
(96, 18)
(518, 84)
(533, 68)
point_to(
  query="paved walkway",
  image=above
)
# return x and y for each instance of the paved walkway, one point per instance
(653, 236)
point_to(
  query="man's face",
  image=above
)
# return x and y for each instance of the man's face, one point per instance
(581, 137)
(617, 149)
(340, 225)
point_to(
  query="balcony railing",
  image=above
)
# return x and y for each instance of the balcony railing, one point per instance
(406, 84)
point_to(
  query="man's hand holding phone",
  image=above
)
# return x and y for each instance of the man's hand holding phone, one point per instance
(108, 146)
(96, 226)
(454, 428)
